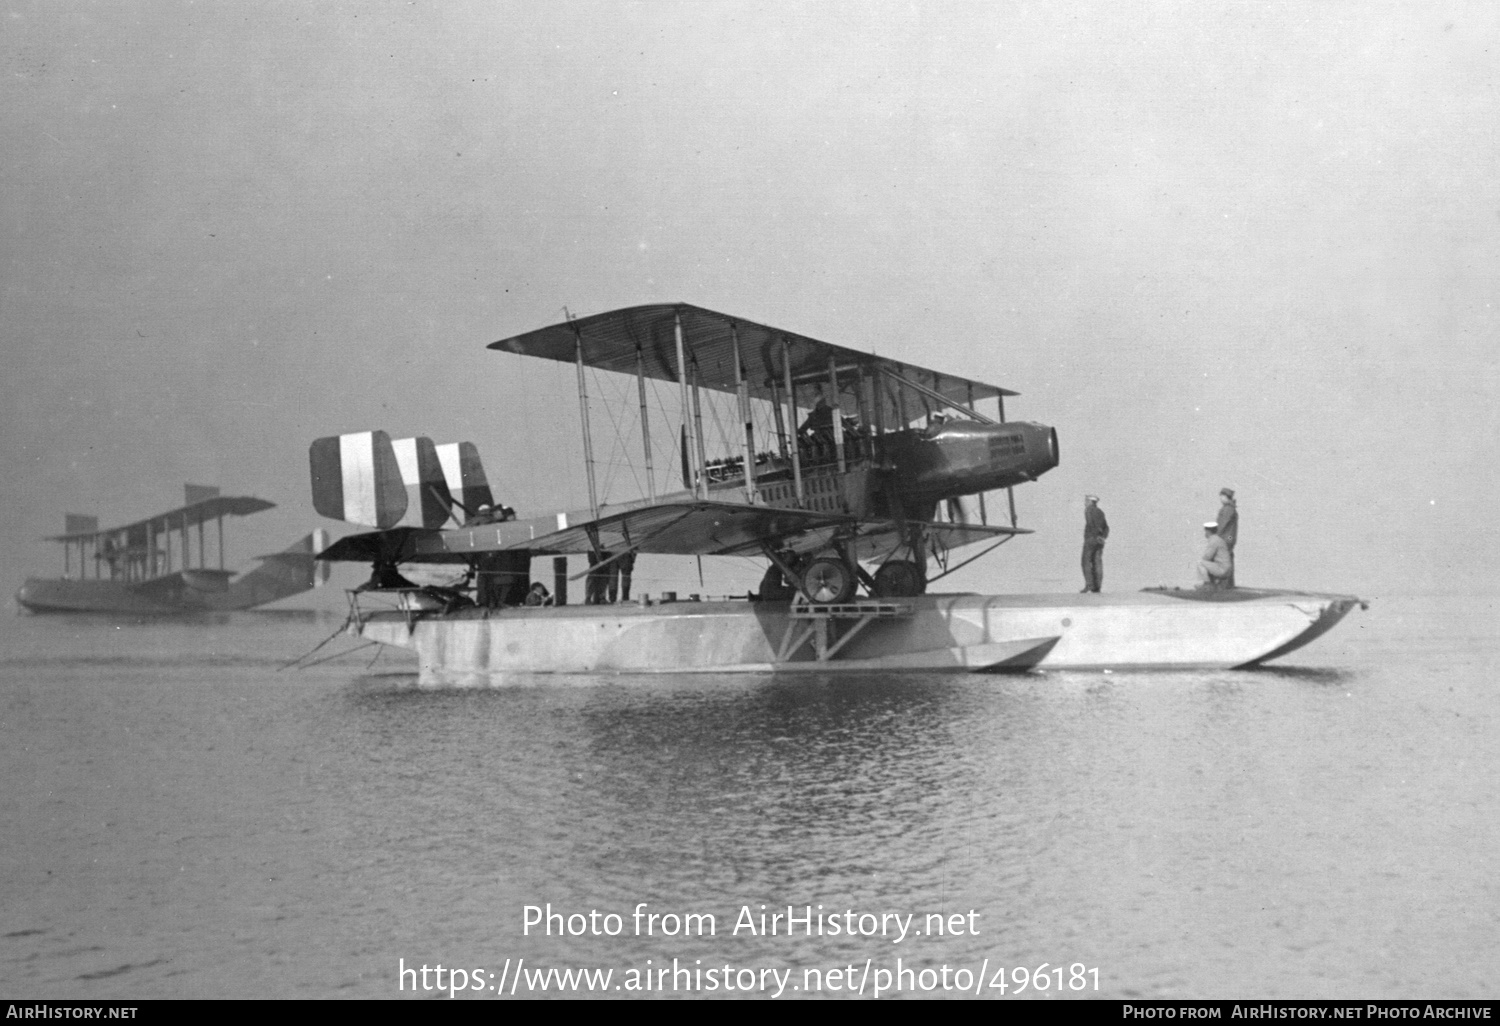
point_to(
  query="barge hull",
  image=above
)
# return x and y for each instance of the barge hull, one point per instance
(966, 632)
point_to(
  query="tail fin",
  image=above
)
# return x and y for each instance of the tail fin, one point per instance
(322, 569)
(465, 475)
(357, 478)
(428, 503)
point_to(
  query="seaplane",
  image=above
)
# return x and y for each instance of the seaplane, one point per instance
(150, 566)
(856, 477)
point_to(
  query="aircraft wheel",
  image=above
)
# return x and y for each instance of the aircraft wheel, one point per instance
(829, 580)
(900, 578)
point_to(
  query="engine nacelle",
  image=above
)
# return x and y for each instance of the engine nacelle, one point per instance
(966, 457)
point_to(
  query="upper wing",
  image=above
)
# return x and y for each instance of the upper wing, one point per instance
(173, 520)
(645, 338)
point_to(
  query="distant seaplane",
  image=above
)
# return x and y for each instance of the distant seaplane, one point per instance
(148, 567)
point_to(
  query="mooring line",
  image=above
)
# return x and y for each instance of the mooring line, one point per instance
(339, 655)
(342, 627)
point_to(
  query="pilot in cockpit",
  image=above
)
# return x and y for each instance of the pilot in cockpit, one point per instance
(816, 433)
(819, 420)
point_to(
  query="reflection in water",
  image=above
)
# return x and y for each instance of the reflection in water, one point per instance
(178, 806)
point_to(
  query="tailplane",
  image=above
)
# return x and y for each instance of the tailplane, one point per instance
(291, 571)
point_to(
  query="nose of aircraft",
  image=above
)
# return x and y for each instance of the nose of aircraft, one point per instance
(961, 458)
(1041, 446)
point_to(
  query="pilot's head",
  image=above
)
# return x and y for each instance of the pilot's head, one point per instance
(1091, 499)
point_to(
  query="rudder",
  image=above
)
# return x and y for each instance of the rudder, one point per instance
(357, 478)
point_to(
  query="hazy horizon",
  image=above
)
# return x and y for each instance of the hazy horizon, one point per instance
(1211, 245)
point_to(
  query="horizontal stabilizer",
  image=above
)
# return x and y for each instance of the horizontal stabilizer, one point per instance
(428, 502)
(357, 478)
(375, 547)
(465, 476)
(303, 553)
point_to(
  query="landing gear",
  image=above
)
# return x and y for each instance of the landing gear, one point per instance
(899, 578)
(829, 579)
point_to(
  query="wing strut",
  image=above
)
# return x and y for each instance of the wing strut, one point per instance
(682, 387)
(791, 418)
(583, 411)
(640, 383)
(747, 432)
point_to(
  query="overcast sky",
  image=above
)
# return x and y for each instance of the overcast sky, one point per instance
(1245, 244)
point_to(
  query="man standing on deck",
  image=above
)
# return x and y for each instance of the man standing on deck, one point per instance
(624, 567)
(1095, 530)
(1229, 528)
(596, 582)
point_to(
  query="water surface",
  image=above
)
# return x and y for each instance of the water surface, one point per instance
(182, 819)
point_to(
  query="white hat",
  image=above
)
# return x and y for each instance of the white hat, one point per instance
(1211, 525)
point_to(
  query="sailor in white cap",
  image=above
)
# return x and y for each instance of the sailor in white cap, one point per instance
(1215, 565)
(1095, 530)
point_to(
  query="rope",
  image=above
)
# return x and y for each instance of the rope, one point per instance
(340, 655)
(341, 628)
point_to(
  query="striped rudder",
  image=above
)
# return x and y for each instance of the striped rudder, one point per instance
(428, 503)
(356, 478)
(465, 475)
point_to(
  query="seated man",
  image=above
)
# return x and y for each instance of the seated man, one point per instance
(487, 514)
(539, 595)
(1216, 562)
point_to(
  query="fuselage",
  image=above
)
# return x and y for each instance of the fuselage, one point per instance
(918, 467)
(901, 474)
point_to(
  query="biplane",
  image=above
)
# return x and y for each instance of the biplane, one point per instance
(845, 470)
(151, 566)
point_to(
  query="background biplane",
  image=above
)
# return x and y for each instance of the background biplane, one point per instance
(154, 566)
(838, 458)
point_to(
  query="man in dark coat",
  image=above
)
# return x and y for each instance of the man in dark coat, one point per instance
(596, 583)
(619, 580)
(1095, 530)
(1229, 528)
